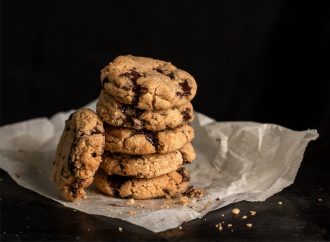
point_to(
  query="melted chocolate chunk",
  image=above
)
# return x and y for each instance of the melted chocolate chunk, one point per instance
(166, 191)
(186, 114)
(184, 173)
(131, 114)
(150, 136)
(159, 70)
(185, 88)
(75, 187)
(116, 181)
(133, 75)
(170, 75)
(94, 154)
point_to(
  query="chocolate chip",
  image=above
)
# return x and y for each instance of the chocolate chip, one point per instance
(159, 70)
(150, 136)
(76, 186)
(116, 181)
(170, 75)
(185, 88)
(166, 191)
(131, 114)
(133, 75)
(186, 114)
(94, 154)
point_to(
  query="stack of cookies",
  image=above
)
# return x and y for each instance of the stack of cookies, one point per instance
(146, 109)
(137, 143)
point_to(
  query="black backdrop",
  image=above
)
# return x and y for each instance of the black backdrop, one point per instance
(265, 61)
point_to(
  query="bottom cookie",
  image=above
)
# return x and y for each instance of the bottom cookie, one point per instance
(171, 184)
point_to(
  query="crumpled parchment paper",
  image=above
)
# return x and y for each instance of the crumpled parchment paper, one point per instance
(235, 161)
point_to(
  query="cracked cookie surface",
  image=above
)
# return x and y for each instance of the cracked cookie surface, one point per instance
(79, 153)
(147, 83)
(147, 166)
(171, 184)
(144, 142)
(125, 115)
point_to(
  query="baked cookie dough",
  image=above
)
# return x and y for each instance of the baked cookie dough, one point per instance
(147, 83)
(125, 115)
(147, 166)
(144, 142)
(79, 153)
(171, 184)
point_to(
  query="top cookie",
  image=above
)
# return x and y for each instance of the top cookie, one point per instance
(147, 83)
(78, 153)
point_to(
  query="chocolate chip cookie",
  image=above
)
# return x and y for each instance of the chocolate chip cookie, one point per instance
(171, 184)
(147, 166)
(125, 115)
(144, 142)
(79, 153)
(147, 83)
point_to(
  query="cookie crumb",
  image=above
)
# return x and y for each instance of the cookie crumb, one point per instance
(132, 212)
(194, 192)
(253, 213)
(217, 199)
(280, 203)
(244, 217)
(231, 230)
(120, 229)
(249, 225)
(184, 200)
(130, 201)
(320, 200)
(222, 215)
(17, 175)
(88, 229)
(235, 211)
(220, 228)
(230, 225)
(180, 227)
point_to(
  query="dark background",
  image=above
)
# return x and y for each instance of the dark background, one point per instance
(265, 61)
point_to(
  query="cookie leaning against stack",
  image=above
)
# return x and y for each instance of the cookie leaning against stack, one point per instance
(145, 104)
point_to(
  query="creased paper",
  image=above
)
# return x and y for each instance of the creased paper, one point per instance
(235, 161)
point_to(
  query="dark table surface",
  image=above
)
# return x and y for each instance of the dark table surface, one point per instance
(303, 216)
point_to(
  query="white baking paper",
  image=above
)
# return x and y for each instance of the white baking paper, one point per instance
(235, 161)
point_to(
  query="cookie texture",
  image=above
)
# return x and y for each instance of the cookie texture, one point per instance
(144, 142)
(171, 184)
(79, 153)
(125, 115)
(147, 83)
(147, 166)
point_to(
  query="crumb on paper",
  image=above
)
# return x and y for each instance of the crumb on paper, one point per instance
(184, 200)
(253, 213)
(280, 203)
(244, 217)
(132, 212)
(230, 225)
(249, 225)
(120, 229)
(17, 175)
(208, 203)
(194, 192)
(217, 199)
(235, 211)
(320, 200)
(130, 201)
